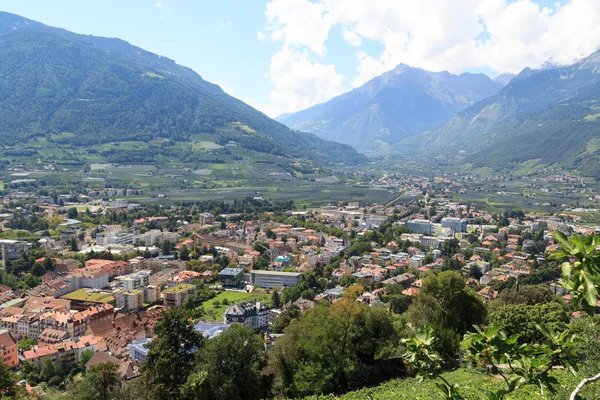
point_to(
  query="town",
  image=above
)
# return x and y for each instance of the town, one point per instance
(85, 281)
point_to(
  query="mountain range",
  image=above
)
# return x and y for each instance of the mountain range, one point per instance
(394, 106)
(86, 90)
(546, 117)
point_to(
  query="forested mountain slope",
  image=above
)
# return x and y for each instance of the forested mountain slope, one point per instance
(101, 90)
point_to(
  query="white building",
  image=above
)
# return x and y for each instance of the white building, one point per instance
(13, 249)
(430, 241)
(271, 279)
(129, 300)
(136, 280)
(253, 315)
(422, 226)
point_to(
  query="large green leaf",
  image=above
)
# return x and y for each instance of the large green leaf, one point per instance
(590, 290)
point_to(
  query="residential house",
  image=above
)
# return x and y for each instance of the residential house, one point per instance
(73, 324)
(9, 351)
(488, 294)
(52, 336)
(183, 277)
(252, 314)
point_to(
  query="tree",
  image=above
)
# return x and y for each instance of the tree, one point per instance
(428, 259)
(38, 269)
(333, 349)
(171, 354)
(185, 254)
(275, 299)
(587, 329)
(85, 357)
(285, 318)
(459, 307)
(30, 281)
(450, 247)
(261, 247)
(520, 363)
(47, 370)
(475, 271)
(189, 302)
(8, 382)
(73, 244)
(582, 277)
(452, 308)
(529, 294)
(196, 386)
(101, 382)
(232, 362)
(26, 344)
(72, 213)
(399, 303)
(166, 247)
(49, 264)
(523, 319)
(493, 348)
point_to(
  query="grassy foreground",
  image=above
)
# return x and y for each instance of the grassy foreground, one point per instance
(471, 383)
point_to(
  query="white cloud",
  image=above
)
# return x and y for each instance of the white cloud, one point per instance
(225, 24)
(352, 38)
(368, 67)
(159, 5)
(298, 22)
(299, 82)
(261, 36)
(434, 34)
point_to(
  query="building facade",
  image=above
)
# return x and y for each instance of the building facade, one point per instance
(251, 314)
(421, 226)
(138, 350)
(9, 351)
(174, 296)
(13, 249)
(129, 300)
(456, 224)
(151, 294)
(271, 279)
(136, 280)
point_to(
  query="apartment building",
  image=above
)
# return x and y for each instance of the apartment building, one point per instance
(174, 296)
(129, 300)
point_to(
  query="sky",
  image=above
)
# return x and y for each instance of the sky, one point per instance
(286, 55)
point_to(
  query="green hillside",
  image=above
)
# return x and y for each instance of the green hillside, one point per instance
(83, 90)
(551, 116)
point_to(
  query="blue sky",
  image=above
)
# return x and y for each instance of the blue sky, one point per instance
(285, 55)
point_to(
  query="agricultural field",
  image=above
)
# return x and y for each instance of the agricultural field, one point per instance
(303, 195)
